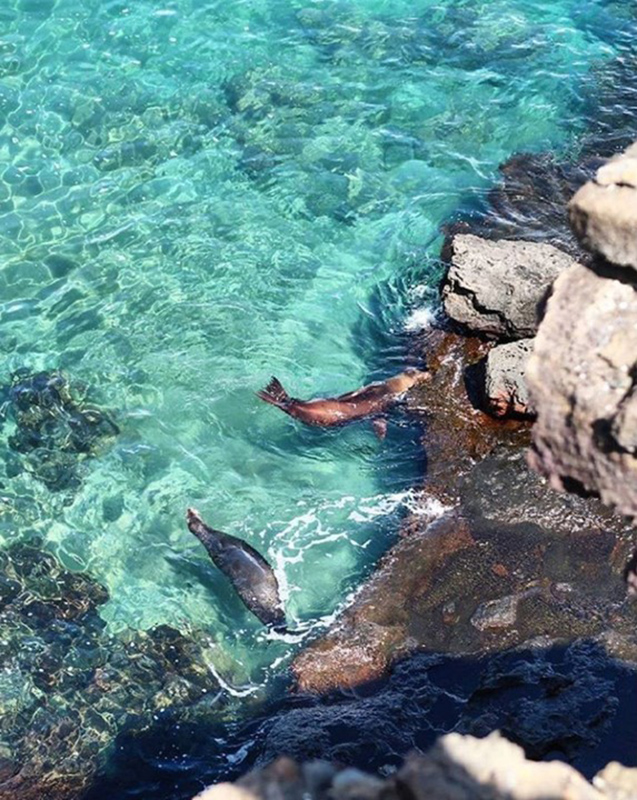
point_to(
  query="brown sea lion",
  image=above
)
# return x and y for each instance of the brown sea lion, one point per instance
(248, 571)
(369, 401)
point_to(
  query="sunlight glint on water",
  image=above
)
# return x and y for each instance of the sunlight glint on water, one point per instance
(225, 187)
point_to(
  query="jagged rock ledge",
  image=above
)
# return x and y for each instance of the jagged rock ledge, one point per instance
(456, 768)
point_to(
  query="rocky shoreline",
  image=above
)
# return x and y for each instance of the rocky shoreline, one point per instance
(455, 768)
(511, 562)
(497, 290)
(501, 606)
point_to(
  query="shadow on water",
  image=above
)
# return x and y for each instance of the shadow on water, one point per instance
(570, 702)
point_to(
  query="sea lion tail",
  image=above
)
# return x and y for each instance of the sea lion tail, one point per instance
(275, 394)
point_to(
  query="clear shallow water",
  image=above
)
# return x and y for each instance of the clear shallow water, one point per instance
(197, 195)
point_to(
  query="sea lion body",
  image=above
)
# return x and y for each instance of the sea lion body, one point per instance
(248, 571)
(369, 401)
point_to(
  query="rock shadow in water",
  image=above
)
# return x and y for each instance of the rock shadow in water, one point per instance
(571, 702)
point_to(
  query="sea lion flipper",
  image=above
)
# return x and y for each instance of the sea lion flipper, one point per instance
(379, 424)
(275, 394)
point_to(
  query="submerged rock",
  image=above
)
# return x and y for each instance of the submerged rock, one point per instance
(530, 203)
(496, 288)
(69, 688)
(55, 429)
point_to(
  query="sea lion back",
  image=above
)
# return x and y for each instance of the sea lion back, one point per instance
(250, 574)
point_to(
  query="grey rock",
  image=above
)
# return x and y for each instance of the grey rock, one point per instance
(496, 287)
(502, 491)
(603, 212)
(352, 784)
(318, 777)
(457, 767)
(226, 791)
(464, 768)
(617, 782)
(506, 389)
(583, 387)
(499, 613)
(283, 779)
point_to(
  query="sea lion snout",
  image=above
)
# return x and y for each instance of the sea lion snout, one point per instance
(193, 517)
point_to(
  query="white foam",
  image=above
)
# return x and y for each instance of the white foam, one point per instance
(242, 691)
(420, 319)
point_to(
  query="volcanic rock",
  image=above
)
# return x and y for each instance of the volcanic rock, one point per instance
(583, 386)
(496, 288)
(506, 390)
(603, 213)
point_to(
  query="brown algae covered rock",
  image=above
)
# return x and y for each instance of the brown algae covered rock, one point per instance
(458, 432)
(512, 562)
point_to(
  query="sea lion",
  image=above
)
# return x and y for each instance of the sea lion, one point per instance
(369, 401)
(248, 571)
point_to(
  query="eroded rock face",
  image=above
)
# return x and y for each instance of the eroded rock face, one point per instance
(506, 389)
(583, 387)
(495, 288)
(603, 213)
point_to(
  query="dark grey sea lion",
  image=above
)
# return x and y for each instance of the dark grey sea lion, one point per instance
(248, 571)
(369, 401)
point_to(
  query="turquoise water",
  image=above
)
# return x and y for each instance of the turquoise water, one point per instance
(196, 195)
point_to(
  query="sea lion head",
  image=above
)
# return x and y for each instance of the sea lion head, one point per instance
(407, 379)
